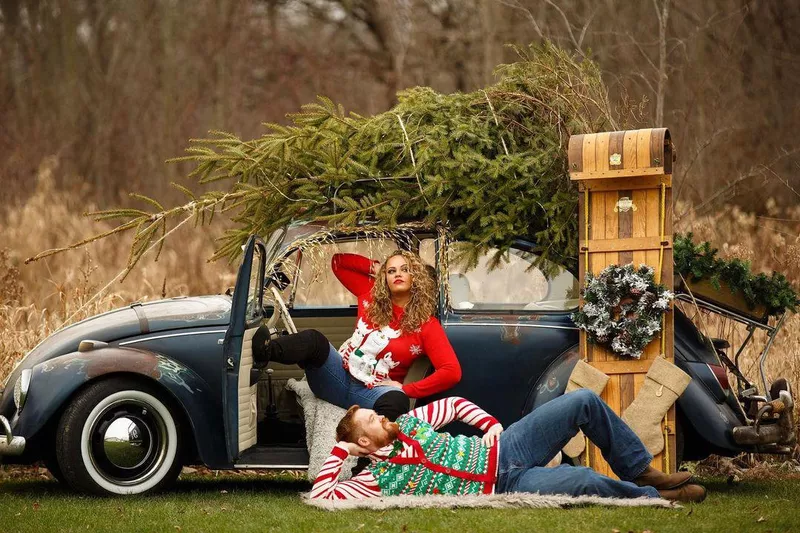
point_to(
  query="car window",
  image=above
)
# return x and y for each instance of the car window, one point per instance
(254, 307)
(427, 250)
(513, 285)
(317, 286)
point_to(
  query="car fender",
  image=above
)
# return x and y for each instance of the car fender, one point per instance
(56, 381)
(553, 381)
(711, 421)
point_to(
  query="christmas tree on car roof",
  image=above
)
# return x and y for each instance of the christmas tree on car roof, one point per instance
(491, 164)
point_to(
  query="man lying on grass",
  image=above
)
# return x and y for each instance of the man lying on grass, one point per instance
(410, 457)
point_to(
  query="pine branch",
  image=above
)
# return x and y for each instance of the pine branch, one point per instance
(490, 164)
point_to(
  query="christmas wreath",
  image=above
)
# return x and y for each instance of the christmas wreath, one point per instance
(622, 308)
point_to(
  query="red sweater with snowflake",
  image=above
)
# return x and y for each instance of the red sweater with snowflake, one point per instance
(373, 354)
(438, 414)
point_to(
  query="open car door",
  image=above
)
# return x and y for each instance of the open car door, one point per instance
(247, 313)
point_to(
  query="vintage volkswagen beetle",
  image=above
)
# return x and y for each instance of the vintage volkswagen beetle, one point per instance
(117, 403)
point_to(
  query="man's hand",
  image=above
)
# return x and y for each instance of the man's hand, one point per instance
(389, 383)
(490, 437)
(354, 449)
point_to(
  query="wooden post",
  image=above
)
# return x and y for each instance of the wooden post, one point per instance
(625, 216)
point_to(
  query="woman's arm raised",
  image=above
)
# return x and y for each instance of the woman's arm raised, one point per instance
(354, 271)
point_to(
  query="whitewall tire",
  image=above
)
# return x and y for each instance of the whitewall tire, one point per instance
(118, 437)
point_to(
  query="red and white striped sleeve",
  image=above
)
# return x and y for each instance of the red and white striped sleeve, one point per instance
(442, 412)
(328, 487)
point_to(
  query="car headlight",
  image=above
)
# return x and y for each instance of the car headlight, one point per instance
(21, 388)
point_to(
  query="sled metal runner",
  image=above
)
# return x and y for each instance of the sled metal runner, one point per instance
(769, 423)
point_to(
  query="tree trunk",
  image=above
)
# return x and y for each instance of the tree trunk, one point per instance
(663, 15)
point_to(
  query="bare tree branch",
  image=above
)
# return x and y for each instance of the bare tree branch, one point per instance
(759, 170)
(516, 5)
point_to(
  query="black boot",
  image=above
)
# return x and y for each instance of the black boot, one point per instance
(260, 341)
(392, 404)
(307, 348)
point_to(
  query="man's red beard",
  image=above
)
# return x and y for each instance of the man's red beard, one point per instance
(392, 430)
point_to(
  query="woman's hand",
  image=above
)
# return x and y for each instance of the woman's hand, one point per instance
(374, 267)
(389, 383)
(491, 436)
(354, 449)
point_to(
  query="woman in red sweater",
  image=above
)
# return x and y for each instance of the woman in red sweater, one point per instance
(396, 302)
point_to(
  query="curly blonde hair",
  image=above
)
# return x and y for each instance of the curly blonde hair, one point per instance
(420, 307)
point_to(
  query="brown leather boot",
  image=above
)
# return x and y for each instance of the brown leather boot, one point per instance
(661, 481)
(686, 493)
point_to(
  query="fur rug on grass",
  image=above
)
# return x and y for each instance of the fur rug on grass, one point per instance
(516, 500)
(321, 419)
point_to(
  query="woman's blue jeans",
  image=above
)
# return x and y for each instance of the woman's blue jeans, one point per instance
(528, 444)
(335, 385)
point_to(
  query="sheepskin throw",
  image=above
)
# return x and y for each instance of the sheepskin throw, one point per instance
(321, 419)
(518, 500)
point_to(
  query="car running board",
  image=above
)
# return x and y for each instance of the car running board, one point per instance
(274, 458)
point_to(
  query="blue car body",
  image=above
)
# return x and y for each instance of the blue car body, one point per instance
(189, 347)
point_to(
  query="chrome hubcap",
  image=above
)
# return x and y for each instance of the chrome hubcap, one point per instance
(128, 442)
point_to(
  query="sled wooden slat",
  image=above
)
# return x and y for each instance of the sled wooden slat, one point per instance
(625, 228)
(645, 182)
(612, 226)
(632, 366)
(626, 390)
(623, 173)
(620, 173)
(624, 244)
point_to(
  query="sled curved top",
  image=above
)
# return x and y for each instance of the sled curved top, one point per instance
(621, 154)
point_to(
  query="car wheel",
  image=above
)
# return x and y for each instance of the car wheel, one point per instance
(55, 470)
(118, 437)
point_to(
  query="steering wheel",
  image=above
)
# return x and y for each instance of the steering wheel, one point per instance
(280, 311)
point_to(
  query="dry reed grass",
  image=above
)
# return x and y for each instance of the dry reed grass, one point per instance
(770, 242)
(39, 298)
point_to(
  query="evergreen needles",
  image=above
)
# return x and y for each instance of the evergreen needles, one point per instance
(700, 262)
(490, 164)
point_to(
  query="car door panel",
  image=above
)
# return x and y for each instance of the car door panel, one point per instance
(240, 399)
(502, 360)
(247, 399)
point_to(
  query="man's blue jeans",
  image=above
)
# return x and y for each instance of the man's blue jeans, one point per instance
(335, 385)
(528, 444)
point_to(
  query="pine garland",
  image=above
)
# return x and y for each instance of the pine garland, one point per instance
(491, 164)
(698, 262)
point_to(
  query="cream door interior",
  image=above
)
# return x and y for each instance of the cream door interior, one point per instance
(248, 398)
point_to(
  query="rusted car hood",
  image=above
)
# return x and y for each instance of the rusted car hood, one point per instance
(136, 319)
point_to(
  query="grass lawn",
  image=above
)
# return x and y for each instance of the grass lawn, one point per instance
(271, 503)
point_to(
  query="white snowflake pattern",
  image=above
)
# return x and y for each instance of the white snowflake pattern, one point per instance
(365, 304)
(415, 349)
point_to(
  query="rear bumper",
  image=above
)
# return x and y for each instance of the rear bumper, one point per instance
(9, 444)
(774, 436)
